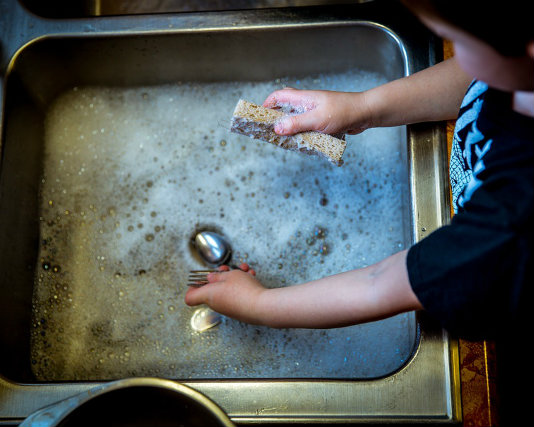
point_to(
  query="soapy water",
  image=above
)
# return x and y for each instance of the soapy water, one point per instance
(131, 173)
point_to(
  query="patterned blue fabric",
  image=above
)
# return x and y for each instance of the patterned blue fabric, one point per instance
(468, 147)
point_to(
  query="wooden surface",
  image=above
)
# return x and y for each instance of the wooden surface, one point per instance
(477, 358)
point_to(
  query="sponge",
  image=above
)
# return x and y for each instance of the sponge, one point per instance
(258, 122)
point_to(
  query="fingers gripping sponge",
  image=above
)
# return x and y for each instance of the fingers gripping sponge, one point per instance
(258, 122)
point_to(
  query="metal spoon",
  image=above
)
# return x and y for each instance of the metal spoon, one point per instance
(215, 250)
(205, 318)
(212, 247)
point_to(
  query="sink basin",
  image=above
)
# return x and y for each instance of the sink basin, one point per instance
(116, 150)
(122, 176)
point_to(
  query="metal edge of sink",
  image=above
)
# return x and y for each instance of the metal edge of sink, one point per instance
(426, 388)
(61, 9)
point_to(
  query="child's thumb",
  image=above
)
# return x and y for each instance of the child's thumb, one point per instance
(195, 296)
(290, 125)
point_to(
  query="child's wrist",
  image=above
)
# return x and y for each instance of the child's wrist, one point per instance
(370, 109)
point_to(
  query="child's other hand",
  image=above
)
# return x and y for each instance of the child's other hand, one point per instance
(323, 111)
(233, 293)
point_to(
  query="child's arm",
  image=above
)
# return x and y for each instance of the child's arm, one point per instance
(429, 95)
(356, 296)
(380, 290)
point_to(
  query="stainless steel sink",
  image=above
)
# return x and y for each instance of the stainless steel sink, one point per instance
(58, 70)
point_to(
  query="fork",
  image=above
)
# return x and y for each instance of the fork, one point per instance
(199, 278)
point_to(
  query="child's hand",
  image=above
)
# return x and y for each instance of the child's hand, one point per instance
(323, 111)
(233, 293)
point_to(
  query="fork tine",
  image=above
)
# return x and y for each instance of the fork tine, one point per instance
(198, 279)
(196, 282)
(199, 276)
(196, 285)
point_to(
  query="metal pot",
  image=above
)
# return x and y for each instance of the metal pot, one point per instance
(133, 402)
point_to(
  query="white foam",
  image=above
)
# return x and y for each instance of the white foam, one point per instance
(129, 174)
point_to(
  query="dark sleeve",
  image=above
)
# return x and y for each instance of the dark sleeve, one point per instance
(472, 275)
